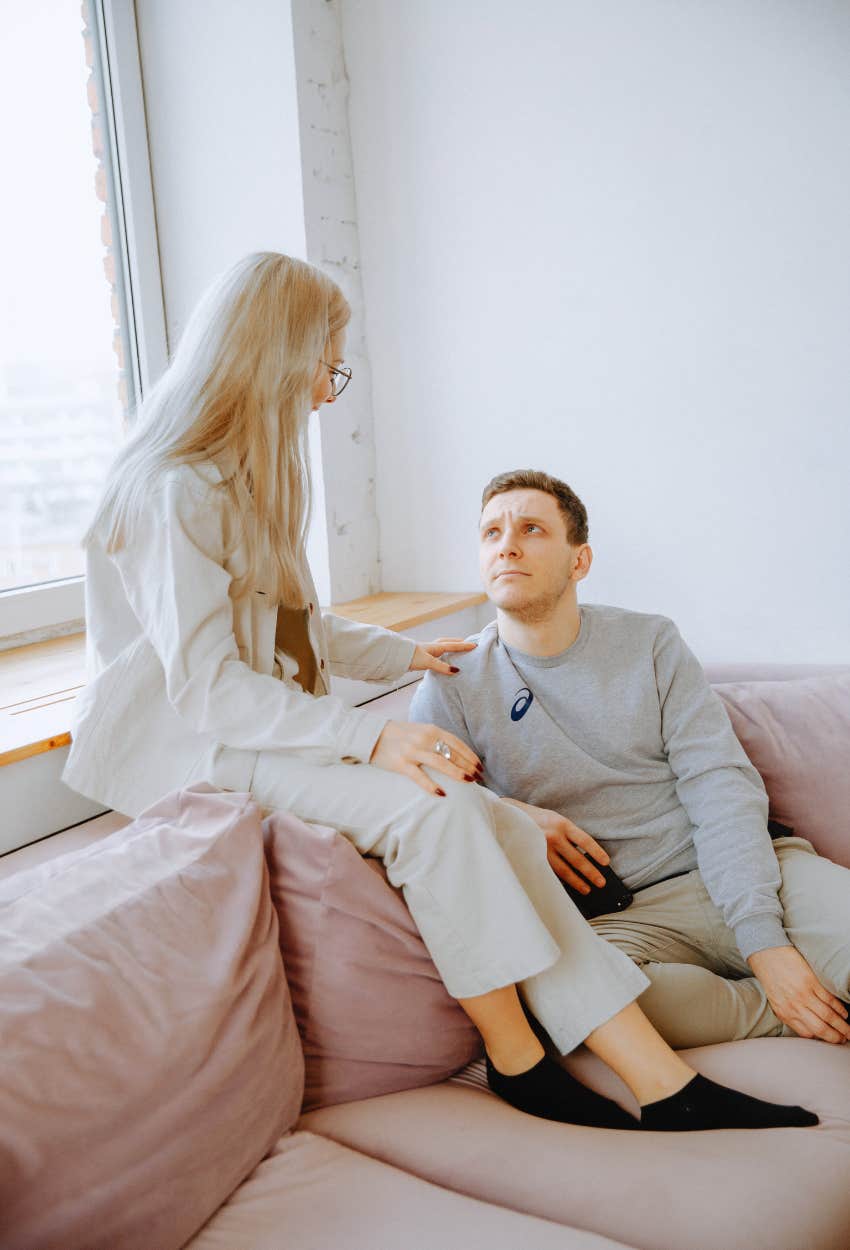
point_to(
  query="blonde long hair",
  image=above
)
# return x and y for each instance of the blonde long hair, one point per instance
(239, 393)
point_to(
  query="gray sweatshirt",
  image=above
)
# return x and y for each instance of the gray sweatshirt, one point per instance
(622, 734)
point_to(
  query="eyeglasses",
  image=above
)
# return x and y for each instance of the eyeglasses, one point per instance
(340, 378)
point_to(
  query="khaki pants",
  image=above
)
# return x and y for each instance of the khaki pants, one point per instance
(477, 882)
(702, 991)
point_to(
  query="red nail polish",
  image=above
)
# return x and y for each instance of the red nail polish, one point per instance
(468, 777)
(441, 793)
(452, 669)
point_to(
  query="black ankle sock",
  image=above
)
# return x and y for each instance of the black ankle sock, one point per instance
(548, 1091)
(704, 1104)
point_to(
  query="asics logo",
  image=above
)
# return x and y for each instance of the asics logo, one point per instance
(522, 703)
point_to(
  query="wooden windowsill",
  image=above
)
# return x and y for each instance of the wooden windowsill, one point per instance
(38, 686)
(400, 610)
(39, 682)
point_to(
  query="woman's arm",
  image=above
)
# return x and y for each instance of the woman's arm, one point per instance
(366, 652)
(172, 568)
(371, 653)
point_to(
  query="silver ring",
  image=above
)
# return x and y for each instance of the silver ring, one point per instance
(443, 748)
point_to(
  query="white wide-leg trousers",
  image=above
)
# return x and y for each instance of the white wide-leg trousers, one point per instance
(477, 882)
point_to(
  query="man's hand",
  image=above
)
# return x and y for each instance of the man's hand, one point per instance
(563, 840)
(427, 655)
(797, 996)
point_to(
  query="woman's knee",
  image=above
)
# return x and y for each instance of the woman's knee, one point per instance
(462, 802)
(431, 819)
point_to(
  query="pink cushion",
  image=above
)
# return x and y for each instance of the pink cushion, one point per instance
(797, 734)
(373, 1014)
(150, 1055)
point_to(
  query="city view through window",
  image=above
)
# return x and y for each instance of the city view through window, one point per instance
(64, 389)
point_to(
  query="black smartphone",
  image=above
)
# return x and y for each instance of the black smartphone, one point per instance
(612, 896)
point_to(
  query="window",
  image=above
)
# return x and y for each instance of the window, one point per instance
(81, 327)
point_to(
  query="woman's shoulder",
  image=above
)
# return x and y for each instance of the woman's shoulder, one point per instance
(188, 496)
(184, 487)
(202, 477)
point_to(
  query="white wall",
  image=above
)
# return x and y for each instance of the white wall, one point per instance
(222, 111)
(344, 431)
(245, 155)
(221, 105)
(611, 240)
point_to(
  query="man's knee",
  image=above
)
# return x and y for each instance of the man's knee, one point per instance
(815, 895)
(692, 1006)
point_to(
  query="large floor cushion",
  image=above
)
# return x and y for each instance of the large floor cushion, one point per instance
(780, 1189)
(313, 1194)
(149, 1054)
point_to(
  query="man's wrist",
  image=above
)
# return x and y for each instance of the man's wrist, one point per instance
(757, 933)
(763, 959)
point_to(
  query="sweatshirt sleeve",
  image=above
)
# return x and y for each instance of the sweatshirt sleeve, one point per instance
(438, 701)
(723, 796)
(172, 569)
(366, 652)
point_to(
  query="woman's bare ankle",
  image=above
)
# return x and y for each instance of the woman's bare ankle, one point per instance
(664, 1083)
(512, 1060)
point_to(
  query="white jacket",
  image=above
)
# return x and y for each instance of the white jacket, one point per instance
(180, 677)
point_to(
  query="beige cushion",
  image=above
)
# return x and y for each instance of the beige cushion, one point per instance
(312, 1194)
(780, 1189)
(150, 1057)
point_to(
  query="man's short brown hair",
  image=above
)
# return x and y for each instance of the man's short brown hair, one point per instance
(572, 509)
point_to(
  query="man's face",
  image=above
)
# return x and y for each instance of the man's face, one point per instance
(525, 559)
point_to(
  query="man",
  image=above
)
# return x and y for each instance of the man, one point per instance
(603, 717)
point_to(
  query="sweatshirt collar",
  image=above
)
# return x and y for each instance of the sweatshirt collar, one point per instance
(553, 661)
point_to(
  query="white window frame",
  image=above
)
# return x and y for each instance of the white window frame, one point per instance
(47, 610)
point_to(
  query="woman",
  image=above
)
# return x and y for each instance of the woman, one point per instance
(210, 660)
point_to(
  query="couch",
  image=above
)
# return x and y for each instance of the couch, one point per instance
(153, 1086)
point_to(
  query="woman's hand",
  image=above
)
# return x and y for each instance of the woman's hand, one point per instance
(404, 748)
(568, 848)
(427, 655)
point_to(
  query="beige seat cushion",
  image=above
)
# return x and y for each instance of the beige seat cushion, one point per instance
(312, 1194)
(782, 1189)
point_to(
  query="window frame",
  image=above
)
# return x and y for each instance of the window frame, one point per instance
(48, 608)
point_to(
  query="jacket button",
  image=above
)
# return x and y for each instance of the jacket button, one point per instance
(321, 663)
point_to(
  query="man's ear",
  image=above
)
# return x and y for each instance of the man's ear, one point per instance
(582, 560)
